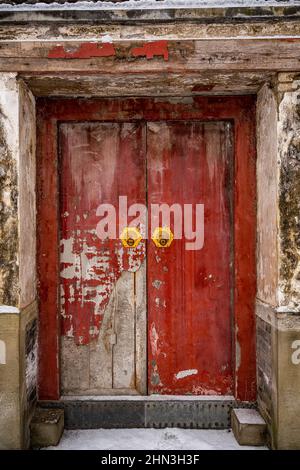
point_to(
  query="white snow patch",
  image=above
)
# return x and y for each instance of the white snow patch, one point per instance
(185, 373)
(8, 309)
(249, 416)
(288, 309)
(150, 439)
(106, 38)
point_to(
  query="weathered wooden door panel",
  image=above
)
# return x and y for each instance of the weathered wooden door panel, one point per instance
(189, 303)
(99, 163)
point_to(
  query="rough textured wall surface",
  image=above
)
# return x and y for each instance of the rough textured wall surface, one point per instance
(10, 416)
(289, 196)
(264, 368)
(267, 200)
(162, 3)
(17, 193)
(278, 183)
(28, 369)
(267, 251)
(27, 203)
(17, 261)
(9, 269)
(278, 258)
(151, 30)
(288, 382)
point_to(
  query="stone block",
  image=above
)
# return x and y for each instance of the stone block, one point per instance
(249, 428)
(46, 427)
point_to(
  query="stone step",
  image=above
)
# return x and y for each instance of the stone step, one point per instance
(46, 427)
(248, 426)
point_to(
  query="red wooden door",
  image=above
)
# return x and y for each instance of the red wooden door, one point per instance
(200, 302)
(189, 290)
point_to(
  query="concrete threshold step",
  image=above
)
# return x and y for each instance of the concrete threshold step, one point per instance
(147, 412)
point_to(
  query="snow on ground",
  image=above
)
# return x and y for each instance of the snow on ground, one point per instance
(150, 439)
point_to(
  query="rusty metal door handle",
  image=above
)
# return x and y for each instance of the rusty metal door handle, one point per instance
(130, 237)
(162, 237)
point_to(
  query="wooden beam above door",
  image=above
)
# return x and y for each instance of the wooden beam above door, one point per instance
(158, 84)
(148, 57)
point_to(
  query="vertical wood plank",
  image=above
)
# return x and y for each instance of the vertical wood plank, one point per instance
(141, 328)
(75, 373)
(124, 375)
(100, 366)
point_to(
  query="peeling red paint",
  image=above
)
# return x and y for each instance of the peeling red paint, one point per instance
(151, 50)
(84, 51)
(90, 267)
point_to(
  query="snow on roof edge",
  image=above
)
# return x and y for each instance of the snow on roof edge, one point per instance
(146, 5)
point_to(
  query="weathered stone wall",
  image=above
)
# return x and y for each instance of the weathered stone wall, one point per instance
(278, 259)
(267, 197)
(9, 122)
(267, 250)
(266, 341)
(289, 192)
(10, 413)
(288, 380)
(264, 369)
(288, 311)
(28, 368)
(27, 201)
(18, 310)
